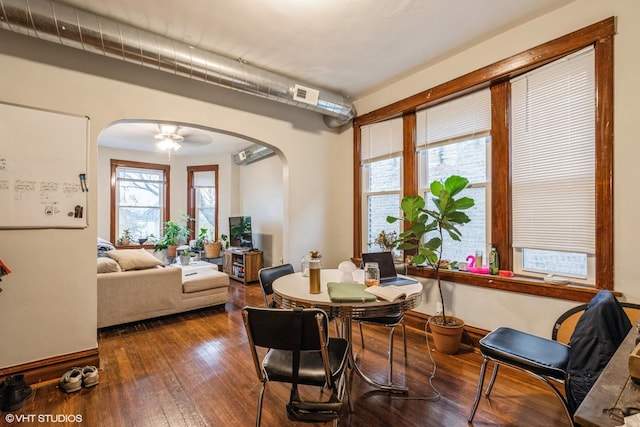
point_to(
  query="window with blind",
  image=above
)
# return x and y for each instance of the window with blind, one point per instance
(139, 198)
(381, 166)
(202, 182)
(453, 139)
(553, 168)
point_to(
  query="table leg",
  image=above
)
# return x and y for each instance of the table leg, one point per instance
(347, 333)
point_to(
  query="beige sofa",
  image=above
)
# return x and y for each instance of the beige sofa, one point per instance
(137, 294)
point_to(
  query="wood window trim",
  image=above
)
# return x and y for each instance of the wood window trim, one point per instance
(496, 75)
(115, 163)
(191, 199)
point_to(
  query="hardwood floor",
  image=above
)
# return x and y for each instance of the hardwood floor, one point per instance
(195, 369)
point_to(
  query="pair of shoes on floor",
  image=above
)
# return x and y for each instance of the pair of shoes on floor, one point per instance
(76, 378)
(13, 392)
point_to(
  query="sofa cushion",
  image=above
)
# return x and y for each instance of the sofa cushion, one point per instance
(134, 259)
(203, 278)
(108, 265)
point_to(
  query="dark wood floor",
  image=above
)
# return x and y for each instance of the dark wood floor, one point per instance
(195, 370)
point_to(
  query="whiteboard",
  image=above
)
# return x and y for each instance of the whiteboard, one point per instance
(42, 156)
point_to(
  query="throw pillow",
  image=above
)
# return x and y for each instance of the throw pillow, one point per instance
(108, 265)
(104, 246)
(134, 259)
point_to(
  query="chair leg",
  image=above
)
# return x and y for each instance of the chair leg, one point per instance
(361, 335)
(476, 400)
(259, 414)
(494, 374)
(404, 339)
(390, 366)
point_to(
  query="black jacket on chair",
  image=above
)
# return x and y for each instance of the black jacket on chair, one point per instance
(599, 332)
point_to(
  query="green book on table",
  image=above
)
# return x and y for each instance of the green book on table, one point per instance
(349, 292)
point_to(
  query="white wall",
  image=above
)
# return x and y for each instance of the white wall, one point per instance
(48, 307)
(487, 308)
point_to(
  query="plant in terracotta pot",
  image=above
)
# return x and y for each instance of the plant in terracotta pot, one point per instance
(175, 233)
(445, 217)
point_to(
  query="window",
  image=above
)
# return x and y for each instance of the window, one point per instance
(139, 198)
(381, 162)
(453, 138)
(202, 183)
(553, 168)
(541, 172)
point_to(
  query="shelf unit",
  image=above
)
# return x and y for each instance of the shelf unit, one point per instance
(242, 266)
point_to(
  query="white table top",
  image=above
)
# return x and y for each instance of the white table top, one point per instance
(293, 289)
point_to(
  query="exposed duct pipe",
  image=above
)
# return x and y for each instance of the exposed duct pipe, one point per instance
(252, 154)
(68, 26)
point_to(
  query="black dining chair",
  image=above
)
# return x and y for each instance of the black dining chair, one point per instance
(391, 322)
(322, 360)
(266, 277)
(600, 330)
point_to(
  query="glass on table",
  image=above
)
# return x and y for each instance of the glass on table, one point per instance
(371, 274)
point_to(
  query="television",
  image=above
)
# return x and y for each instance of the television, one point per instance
(240, 232)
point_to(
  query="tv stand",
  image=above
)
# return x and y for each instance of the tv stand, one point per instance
(242, 265)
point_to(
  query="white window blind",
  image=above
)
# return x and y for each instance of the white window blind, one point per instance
(464, 118)
(381, 140)
(553, 156)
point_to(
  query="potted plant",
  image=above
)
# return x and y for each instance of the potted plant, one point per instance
(387, 241)
(175, 233)
(224, 240)
(185, 256)
(446, 216)
(212, 249)
(125, 240)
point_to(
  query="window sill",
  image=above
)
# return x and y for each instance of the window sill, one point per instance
(514, 284)
(134, 246)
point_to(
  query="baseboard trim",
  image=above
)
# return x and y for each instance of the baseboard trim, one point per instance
(470, 337)
(53, 367)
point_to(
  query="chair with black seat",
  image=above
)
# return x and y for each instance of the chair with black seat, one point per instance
(298, 336)
(267, 276)
(597, 335)
(391, 322)
(566, 323)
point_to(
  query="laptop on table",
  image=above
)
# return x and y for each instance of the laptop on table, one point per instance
(388, 275)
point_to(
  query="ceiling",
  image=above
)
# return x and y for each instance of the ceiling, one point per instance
(352, 47)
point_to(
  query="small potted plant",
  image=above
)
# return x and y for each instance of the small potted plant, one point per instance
(446, 216)
(185, 256)
(387, 241)
(125, 240)
(175, 233)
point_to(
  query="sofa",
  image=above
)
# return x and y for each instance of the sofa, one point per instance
(134, 285)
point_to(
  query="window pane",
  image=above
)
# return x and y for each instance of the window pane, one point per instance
(139, 201)
(378, 208)
(384, 175)
(136, 193)
(140, 221)
(466, 158)
(564, 263)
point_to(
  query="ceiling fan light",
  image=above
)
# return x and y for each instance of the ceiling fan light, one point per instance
(168, 128)
(166, 144)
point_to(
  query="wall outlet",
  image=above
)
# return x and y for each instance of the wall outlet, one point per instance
(439, 308)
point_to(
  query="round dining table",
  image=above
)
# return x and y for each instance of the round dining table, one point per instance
(292, 290)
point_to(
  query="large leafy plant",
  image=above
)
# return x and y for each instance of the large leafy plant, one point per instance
(446, 217)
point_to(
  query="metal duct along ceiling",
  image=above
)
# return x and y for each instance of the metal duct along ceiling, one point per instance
(252, 154)
(68, 26)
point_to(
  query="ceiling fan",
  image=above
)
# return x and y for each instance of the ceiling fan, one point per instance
(171, 137)
(168, 138)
